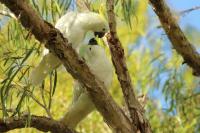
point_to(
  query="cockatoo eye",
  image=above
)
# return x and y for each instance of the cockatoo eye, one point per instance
(90, 48)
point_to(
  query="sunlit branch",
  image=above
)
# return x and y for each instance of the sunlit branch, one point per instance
(176, 36)
(83, 5)
(39, 122)
(139, 122)
(7, 13)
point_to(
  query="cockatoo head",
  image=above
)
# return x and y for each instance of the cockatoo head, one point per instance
(91, 51)
(101, 28)
(94, 22)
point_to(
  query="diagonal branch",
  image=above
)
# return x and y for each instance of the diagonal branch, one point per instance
(8, 14)
(119, 61)
(176, 36)
(41, 123)
(83, 5)
(189, 10)
(58, 45)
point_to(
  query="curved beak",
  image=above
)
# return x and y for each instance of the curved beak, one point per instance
(99, 34)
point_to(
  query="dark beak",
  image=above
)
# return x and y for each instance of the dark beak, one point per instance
(92, 41)
(99, 34)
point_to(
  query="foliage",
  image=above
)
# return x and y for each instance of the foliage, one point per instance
(156, 70)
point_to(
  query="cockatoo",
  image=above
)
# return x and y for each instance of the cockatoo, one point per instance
(98, 63)
(74, 27)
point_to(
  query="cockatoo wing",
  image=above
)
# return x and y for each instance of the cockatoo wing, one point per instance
(65, 23)
(48, 63)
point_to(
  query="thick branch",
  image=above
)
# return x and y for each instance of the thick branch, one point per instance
(176, 36)
(41, 123)
(119, 61)
(58, 45)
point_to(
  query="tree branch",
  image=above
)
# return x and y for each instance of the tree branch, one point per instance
(8, 14)
(41, 123)
(83, 5)
(59, 46)
(176, 36)
(189, 10)
(119, 61)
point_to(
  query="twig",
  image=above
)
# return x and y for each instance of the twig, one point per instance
(176, 35)
(9, 110)
(39, 122)
(189, 10)
(28, 93)
(139, 121)
(43, 97)
(8, 14)
(193, 95)
(38, 102)
(83, 5)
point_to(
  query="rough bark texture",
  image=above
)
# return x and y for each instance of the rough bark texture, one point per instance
(176, 36)
(41, 123)
(58, 45)
(135, 109)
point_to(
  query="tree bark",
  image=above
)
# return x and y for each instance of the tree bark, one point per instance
(59, 46)
(41, 123)
(176, 36)
(135, 109)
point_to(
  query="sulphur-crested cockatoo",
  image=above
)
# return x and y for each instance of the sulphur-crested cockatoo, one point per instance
(99, 64)
(74, 27)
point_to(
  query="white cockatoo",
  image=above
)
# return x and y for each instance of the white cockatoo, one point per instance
(73, 26)
(99, 64)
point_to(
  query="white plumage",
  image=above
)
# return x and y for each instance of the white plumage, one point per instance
(74, 27)
(97, 61)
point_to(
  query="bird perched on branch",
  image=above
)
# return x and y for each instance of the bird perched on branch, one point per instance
(98, 63)
(74, 27)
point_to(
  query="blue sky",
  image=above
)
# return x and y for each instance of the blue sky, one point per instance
(193, 18)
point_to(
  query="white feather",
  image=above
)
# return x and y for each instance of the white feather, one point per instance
(101, 67)
(74, 27)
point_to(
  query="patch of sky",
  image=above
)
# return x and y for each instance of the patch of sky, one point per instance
(3, 21)
(72, 6)
(190, 19)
